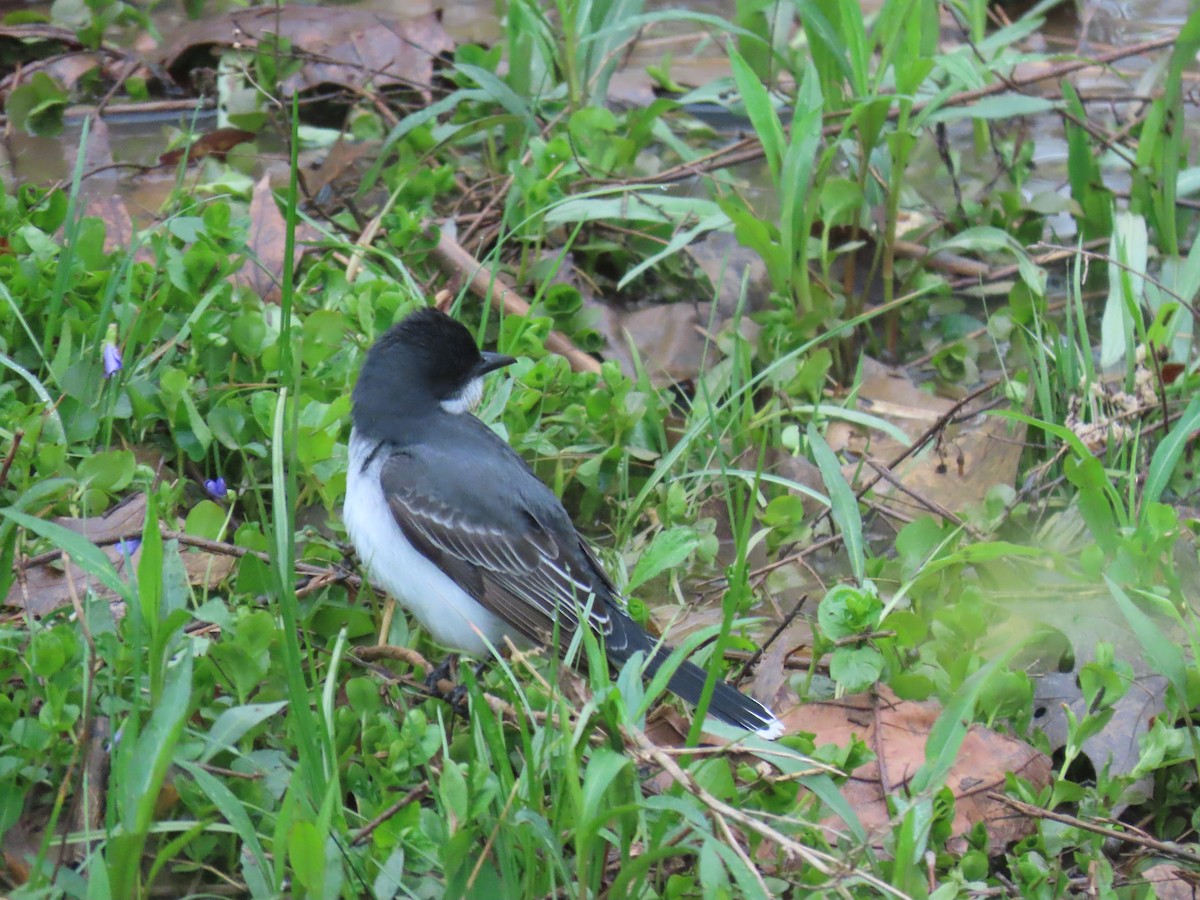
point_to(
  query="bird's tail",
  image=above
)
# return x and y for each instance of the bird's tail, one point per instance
(687, 682)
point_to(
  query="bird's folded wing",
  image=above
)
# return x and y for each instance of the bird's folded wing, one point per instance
(519, 572)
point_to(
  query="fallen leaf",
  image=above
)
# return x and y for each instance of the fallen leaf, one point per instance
(99, 188)
(262, 271)
(1116, 747)
(346, 46)
(43, 588)
(770, 686)
(668, 338)
(1171, 882)
(972, 455)
(68, 69)
(738, 274)
(126, 519)
(897, 731)
(215, 143)
(340, 163)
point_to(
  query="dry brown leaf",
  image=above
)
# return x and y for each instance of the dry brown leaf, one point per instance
(972, 456)
(67, 70)
(42, 589)
(126, 519)
(667, 727)
(23, 840)
(340, 45)
(341, 163)
(216, 143)
(958, 472)
(669, 339)
(1171, 882)
(896, 731)
(770, 686)
(1116, 746)
(262, 272)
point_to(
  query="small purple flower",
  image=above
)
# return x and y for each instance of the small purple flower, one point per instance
(129, 546)
(112, 360)
(215, 488)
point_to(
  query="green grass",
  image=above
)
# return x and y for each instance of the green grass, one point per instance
(184, 735)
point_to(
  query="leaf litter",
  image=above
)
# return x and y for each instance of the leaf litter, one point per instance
(48, 583)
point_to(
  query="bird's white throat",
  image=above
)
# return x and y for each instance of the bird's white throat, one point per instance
(465, 400)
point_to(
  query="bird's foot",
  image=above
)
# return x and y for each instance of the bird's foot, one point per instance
(441, 685)
(440, 681)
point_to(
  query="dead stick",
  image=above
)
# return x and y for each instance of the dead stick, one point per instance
(487, 283)
(746, 150)
(17, 437)
(411, 797)
(220, 548)
(1166, 848)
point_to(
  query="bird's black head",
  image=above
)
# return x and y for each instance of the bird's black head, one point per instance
(426, 363)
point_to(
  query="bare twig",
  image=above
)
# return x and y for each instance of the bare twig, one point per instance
(1166, 848)
(754, 657)
(487, 283)
(411, 797)
(929, 504)
(750, 149)
(221, 548)
(389, 651)
(929, 434)
(17, 437)
(1105, 258)
(824, 863)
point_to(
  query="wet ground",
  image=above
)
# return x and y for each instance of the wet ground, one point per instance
(696, 57)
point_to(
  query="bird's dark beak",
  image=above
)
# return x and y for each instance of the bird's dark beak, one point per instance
(490, 362)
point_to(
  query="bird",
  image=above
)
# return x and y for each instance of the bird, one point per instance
(451, 521)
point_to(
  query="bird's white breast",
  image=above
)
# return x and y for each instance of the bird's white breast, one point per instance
(451, 616)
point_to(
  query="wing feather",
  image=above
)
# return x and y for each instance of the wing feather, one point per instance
(521, 574)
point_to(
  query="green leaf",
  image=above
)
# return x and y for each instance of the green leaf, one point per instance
(1161, 652)
(632, 206)
(109, 470)
(37, 106)
(306, 852)
(714, 879)
(497, 90)
(670, 548)
(155, 746)
(1001, 106)
(602, 771)
(150, 573)
(205, 520)
(824, 787)
(842, 502)
(855, 668)
(847, 610)
(761, 111)
(1168, 453)
(232, 809)
(1129, 250)
(947, 734)
(454, 794)
(233, 723)
(1087, 181)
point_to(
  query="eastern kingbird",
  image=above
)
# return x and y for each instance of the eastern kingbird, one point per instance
(452, 522)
